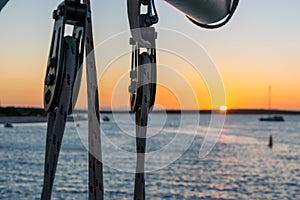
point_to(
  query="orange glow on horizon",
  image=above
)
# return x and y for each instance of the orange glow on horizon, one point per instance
(21, 84)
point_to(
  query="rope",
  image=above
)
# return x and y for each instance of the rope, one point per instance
(57, 122)
(96, 191)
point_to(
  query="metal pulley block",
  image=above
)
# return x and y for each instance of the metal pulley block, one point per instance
(67, 13)
(143, 66)
(144, 75)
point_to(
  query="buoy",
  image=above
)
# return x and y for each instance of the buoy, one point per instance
(271, 141)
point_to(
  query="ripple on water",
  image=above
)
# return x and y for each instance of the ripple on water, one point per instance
(240, 166)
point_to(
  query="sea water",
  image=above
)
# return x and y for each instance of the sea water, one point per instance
(240, 165)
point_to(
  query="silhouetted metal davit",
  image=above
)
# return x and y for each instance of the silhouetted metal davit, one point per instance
(205, 12)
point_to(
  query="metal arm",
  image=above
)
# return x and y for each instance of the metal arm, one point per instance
(2, 4)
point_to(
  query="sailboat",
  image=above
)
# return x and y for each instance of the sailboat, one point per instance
(275, 118)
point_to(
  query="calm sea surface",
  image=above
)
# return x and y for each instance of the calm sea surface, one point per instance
(240, 166)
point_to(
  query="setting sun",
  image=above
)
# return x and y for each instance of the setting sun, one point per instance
(223, 108)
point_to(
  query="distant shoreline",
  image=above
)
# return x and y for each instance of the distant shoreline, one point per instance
(228, 112)
(38, 115)
(20, 120)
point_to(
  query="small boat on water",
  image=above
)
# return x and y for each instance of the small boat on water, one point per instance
(275, 118)
(8, 125)
(105, 119)
(272, 119)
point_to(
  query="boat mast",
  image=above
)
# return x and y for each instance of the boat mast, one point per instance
(269, 100)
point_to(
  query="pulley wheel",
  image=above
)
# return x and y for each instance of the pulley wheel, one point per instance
(52, 84)
(54, 75)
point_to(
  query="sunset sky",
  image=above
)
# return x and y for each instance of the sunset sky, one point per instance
(259, 47)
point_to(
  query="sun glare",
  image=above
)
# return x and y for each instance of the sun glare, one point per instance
(223, 108)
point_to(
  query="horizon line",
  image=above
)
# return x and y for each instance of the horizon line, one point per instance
(228, 111)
